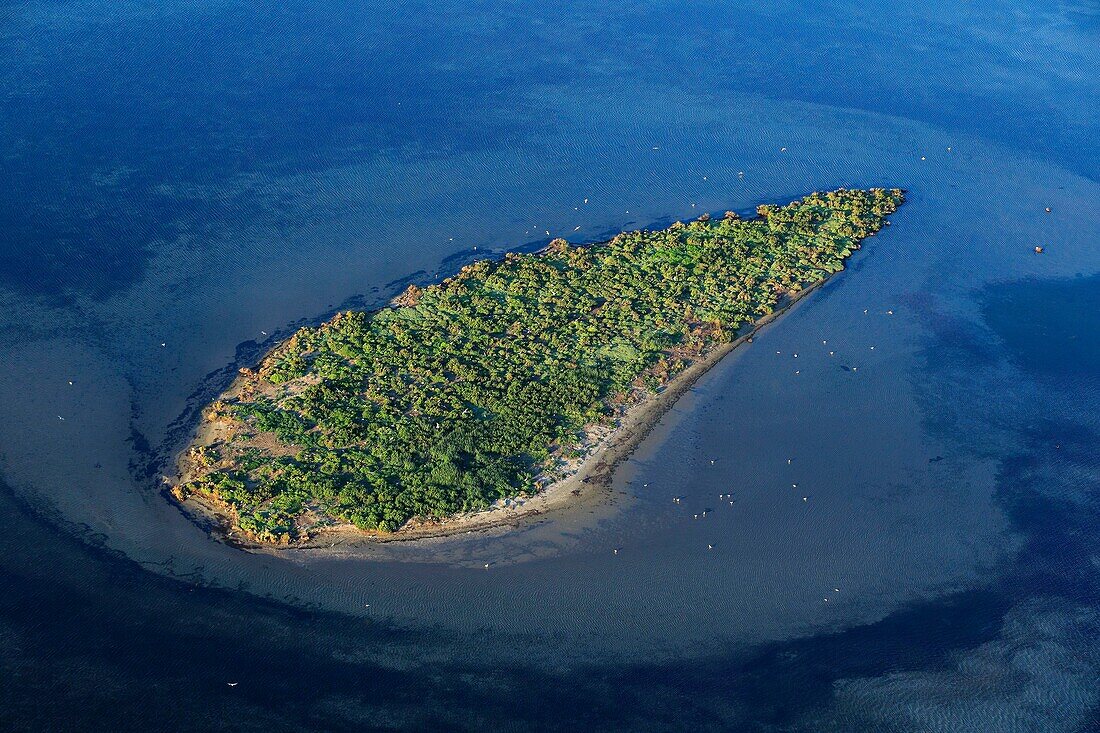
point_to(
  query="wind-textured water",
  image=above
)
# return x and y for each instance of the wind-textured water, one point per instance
(912, 545)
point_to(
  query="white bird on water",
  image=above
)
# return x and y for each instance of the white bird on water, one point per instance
(61, 418)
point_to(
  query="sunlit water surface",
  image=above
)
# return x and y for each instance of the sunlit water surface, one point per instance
(911, 545)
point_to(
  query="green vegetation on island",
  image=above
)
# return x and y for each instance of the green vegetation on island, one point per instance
(481, 387)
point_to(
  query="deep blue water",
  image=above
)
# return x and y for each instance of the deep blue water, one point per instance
(207, 176)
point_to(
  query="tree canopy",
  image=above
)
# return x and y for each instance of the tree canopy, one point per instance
(468, 391)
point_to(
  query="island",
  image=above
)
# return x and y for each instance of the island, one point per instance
(496, 385)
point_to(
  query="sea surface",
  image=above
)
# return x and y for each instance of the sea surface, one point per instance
(913, 540)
